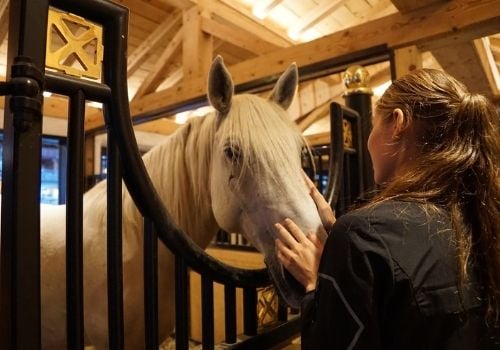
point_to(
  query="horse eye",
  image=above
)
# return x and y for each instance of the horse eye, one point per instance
(232, 153)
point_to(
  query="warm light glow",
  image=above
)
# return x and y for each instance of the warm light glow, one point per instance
(293, 34)
(202, 111)
(47, 94)
(379, 90)
(95, 104)
(309, 35)
(181, 118)
(259, 10)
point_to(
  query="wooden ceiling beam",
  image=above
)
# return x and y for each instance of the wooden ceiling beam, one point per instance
(314, 16)
(181, 4)
(4, 19)
(197, 46)
(144, 50)
(237, 36)
(231, 12)
(159, 126)
(456, 18)
(405, 6)
(453, 59)
(481, 74)
(157, 74)
(488, 63)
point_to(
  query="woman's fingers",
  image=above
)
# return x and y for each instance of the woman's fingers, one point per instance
(285, 237)
(295, 230)
(309, 182)
(324, 210)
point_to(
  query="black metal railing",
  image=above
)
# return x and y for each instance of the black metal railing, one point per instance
(22, 264)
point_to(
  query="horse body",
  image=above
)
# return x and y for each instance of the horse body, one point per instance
(237, 168)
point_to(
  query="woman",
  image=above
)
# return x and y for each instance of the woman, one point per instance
(419, 267)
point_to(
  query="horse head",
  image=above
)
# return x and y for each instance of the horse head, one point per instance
(256, 176)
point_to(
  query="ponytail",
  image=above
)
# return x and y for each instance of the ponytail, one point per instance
(457, 138)
(479, 197)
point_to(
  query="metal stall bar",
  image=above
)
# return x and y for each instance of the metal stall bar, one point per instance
(181, 304)
(114, 247)
(66, 85)
(336, 160)
(249, 311)
(20, 241)
(282, 311)
(150, 285)
(207, 313)
(230, 313)
(351, 189)
(74, 222)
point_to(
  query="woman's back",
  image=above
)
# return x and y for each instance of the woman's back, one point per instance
(388, 280)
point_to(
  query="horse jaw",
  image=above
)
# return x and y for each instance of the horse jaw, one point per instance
(257, 224)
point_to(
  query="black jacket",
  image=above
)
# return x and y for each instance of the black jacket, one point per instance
(388, 280)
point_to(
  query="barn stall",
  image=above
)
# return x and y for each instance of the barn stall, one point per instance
(163, 80)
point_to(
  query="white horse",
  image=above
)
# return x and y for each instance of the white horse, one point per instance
(237, 168)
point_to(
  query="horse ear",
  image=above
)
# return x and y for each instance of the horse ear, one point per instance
(220, 86)
(284, 90)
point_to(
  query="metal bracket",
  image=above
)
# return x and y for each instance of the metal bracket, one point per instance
(25, 85)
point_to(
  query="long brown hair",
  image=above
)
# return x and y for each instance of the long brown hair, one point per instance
(457, 167)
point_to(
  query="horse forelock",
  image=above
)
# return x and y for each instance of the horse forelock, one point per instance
(269, 141)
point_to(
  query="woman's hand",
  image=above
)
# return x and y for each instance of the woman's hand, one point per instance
(324, 210)
(299, 253)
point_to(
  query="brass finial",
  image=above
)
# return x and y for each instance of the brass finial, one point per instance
(356, 80)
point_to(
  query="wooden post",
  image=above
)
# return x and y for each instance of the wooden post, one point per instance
(197, 46)
(406, 60)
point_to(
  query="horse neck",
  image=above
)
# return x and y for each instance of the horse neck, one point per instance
(179, 170)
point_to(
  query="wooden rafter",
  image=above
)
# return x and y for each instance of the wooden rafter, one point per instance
(479, 75)
(229, 11)
(197, 46)
(488, 63)
(315, 15)
(157, 73)
(144, 50)
(237, 36)
(181, 4)
(453, 59)
(457, 18)
(405, 6)
(495, 48)
(160, 126)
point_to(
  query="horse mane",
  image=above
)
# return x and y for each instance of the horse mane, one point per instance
(179, 168)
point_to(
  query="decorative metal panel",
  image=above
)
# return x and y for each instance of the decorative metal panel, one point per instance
(74, 45)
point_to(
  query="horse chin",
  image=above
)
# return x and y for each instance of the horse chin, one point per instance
(289, 289)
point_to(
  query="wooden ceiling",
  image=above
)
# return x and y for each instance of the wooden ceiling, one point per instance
(172, 43)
